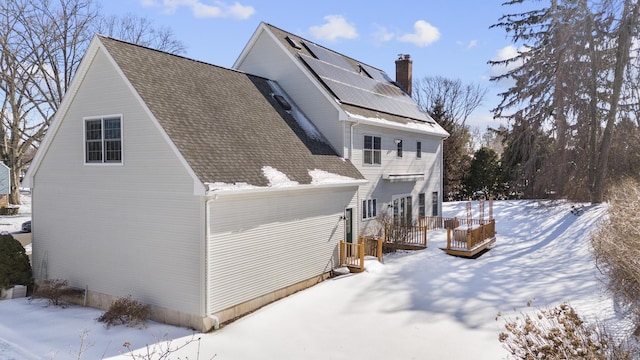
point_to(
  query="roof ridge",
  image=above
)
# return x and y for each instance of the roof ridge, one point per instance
(324, 47)
(178, 56)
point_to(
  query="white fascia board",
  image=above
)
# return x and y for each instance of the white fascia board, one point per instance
(274, 190)
(438, 131)
(67, 99)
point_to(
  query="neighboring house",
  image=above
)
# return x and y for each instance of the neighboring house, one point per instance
(208, 192)
(188, 186)
(365, 116)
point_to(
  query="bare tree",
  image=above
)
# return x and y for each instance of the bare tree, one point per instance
(458, 100)
(41, 45)
(450, 102)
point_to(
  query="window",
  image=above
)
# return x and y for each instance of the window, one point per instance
(421, 206)
(434, 204)
(369, 210)
(372, 153)
(103, 140)
(419, 150)
(399, 146)
(402, 212)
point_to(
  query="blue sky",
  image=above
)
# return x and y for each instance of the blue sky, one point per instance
(446, 38)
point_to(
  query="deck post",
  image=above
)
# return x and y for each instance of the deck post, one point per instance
(361, 253)
(341, 252)
(424, 236)
(379, 252)
(448, 238)
(468, 239)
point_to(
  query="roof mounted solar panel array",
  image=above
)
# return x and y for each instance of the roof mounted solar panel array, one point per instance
(352, 88)
(375, 73)
(327, 55)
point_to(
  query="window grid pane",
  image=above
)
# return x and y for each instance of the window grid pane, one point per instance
(103, 140)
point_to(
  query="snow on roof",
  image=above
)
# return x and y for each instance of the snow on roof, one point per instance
(278, 179)
(297, 114)
(410, 125)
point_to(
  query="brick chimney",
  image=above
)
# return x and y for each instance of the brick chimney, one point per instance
(403, 72)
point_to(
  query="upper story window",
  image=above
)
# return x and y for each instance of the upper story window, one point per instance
(399, 147)
(103, 140)
(372, 150)
(419, 149)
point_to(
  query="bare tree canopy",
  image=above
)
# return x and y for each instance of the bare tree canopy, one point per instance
(574, 78)
(41, 45)
(457, 99)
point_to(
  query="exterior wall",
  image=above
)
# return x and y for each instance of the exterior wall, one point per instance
(268, 60)
(263, 242)
(430, 164)
(119, 229)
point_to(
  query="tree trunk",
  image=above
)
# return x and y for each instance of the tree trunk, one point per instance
(627, 26)
(14, 195)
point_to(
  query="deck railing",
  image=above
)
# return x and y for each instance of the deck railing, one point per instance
(402, 235)
(462, 238)
(352, 254)
(439, 222)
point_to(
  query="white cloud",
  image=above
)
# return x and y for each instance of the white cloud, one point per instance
(199, 9)
(424, 34)
(335, 27)
(507, 52)
(382, 34)
(472, 44)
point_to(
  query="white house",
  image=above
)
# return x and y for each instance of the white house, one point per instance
(365, 116)
(185, 185)
(208, 192)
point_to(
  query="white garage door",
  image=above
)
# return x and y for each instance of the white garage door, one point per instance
(266, 242)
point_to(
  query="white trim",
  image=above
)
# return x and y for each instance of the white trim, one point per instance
(67, 99)
(389, 124)
(84, 140)
(219, 193)
(403, 177)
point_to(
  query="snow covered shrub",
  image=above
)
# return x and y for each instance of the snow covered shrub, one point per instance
(126, 311)
(57, 292)
(10, 210)
(15, 268)
(558, 333)
(616, 246)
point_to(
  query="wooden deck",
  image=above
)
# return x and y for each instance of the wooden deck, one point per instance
(470, 241)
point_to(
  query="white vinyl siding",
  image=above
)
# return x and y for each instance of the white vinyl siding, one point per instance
(261, 243)
(158, 236)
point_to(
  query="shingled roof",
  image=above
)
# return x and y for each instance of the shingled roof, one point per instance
(225, 123)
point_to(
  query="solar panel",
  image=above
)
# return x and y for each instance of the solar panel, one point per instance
(375, 73)
(327, 55)
(352, 88)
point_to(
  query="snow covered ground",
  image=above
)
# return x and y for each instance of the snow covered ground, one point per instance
(417, 305)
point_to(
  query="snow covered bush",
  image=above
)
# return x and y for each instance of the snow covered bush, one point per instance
(15, 268)
(126, 311)
(616, 246)
(559, 333)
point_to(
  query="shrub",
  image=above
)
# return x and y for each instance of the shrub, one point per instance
(126, 311)
(15, 268)
(10, 210)
(57, 292)
(560, 333)
(616, 246)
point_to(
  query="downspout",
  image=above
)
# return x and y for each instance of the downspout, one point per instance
(441, 200)
(207, 227)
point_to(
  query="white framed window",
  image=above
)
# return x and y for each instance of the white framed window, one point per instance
(421, 205)
(369, 209)
(372, 150)
(402, 209)
(399, 148)
(419, 150)
(103, 140)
